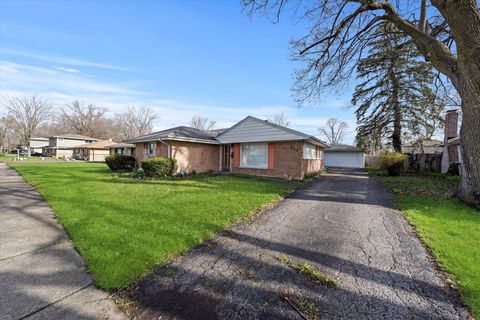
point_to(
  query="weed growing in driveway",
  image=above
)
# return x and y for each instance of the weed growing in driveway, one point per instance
(309, 271)
(308, 310)
(169, 272)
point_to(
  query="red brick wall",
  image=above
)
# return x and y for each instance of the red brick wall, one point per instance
(451, 124)
(195, 156)
(140, 150)
(287, 161)
(453, 154)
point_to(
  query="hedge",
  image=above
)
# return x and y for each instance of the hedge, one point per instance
(392, 162)
(120, 162)
(159, 167)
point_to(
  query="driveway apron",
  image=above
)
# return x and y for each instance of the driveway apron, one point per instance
(344, 225)
(41, 274)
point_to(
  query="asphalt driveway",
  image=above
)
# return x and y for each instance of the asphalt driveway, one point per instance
(41, 274)
(344, 225)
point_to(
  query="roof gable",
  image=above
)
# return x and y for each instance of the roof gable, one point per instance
(252, 129)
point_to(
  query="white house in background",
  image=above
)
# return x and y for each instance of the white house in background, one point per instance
(61, 146)
(38, 143)
(95, 151)
(344, 156)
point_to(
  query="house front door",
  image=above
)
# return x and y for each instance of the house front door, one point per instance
(226, 157)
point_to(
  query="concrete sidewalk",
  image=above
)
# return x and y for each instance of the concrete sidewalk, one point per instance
(41, 274)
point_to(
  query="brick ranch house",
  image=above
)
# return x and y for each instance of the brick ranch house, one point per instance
(252, 146)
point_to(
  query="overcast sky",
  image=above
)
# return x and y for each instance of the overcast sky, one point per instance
(180, 57)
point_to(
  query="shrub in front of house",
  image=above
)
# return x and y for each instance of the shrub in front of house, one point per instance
(392, 162)
(120, 162)
(159, 167)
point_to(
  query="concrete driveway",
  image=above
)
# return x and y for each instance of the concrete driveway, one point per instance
(41, 274)
(344, 225)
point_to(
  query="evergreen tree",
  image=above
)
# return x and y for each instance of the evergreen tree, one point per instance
(395, 89)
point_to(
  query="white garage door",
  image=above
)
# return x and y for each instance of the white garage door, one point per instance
(345, 159)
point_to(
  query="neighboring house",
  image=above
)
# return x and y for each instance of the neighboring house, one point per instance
(427, 146)
(252, 146)
(344, 156)
(452, 147)
(61, 146)
(122, 148)
(95, 151)
(430, 146)
(37, 144)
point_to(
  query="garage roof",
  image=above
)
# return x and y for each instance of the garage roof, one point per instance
(338, 147)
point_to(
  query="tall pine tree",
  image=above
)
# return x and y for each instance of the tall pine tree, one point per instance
(395, 89)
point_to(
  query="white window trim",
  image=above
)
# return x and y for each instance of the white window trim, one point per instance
(253, 167)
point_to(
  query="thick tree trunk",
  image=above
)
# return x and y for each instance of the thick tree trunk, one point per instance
(463, 18)
(470, 143)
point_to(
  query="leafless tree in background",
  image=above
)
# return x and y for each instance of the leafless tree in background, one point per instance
(333, 130)
(28, 111)
(135, 121)
(202, 123)
(90, 121)
(9, 130)
(280, 119)
(446, 33)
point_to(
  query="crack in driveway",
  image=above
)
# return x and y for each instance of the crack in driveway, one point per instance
(343, 224)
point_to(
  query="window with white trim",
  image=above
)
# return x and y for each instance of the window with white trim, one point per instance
(309, 151)
(254, 155)
(152, 148)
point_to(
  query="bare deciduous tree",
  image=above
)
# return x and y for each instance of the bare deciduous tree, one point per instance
(89, 121)
(135, 121)
(9, 136)
(202, 123)
(333, 130)
(280, 119)
(446, 33)
(28, 112)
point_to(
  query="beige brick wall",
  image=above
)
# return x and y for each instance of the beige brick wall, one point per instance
(195, 156)
(311, 165)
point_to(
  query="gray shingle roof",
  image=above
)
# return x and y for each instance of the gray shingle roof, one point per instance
(179, 133)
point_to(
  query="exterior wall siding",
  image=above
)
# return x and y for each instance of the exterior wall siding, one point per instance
(252, 130)
(195, 156)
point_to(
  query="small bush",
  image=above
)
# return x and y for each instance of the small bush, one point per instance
(159, 167)
(120, 162)
(392, 162)
(139, 173)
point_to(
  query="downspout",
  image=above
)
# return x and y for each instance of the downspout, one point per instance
(169, 148)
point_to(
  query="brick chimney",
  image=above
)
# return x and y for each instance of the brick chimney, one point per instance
(451, 124)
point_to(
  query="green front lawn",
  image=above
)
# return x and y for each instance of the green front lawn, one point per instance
(447, 226)
(124, 228)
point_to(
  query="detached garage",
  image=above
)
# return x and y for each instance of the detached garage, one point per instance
(344, 156)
